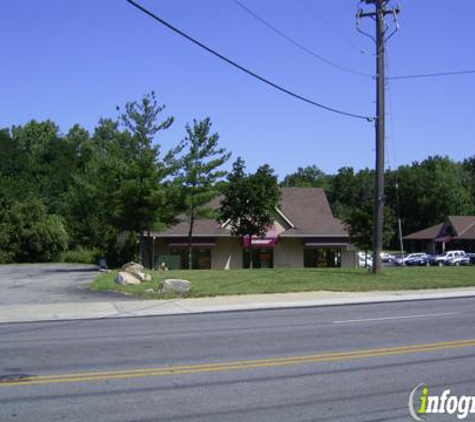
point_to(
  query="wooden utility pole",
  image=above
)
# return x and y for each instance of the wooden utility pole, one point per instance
(381, 37)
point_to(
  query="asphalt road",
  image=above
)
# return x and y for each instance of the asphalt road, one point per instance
(49, 283)
(281, 365)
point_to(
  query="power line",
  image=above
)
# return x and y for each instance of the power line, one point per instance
(433, 75)
(394, 146)
(243, 69)
(334, 29)
(296, 43)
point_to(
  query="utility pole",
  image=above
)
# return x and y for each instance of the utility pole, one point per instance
(381, 37)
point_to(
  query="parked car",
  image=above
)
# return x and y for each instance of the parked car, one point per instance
(398, 259)
(447, 258)
(471, 258)
(387, 258)
(365, 260)
(460, 259)
(420, 259)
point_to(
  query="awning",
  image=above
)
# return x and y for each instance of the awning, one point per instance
(444, 239)
(268, 241)
(326, 241)
(195, 243)
(325, 244)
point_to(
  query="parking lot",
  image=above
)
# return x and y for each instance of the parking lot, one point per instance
(49, 283)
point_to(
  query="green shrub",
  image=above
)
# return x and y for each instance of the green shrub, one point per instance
(81, 255)
(30, 234)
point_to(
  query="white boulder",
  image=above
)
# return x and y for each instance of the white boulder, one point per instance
(136, 270)
(174, 285)
(126, 279)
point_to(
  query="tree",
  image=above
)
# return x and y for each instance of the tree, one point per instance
(34, 173)
(429, 191)
(348, 190)
(250, 201)
(138, 199)
(307, 177)
(359, 224)
(46, 161)
(469, 174)
(199, 173)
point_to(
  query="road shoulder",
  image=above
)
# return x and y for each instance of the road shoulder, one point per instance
(141, 308)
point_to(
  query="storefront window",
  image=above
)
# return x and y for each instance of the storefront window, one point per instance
(322, 257)
(261, 258)
(201, 258)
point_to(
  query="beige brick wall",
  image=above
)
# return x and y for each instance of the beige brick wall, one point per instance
(226, 254)
(349, 258)
(288, 253)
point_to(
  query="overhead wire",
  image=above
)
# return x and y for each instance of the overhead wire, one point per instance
(391, 109)
(394, 148)
(422, 75)
(298, 44)
(334, 29)
(245, 70)
(433, 75)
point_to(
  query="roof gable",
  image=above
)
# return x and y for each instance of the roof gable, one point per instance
(461, 223)
(459, 226)
(303, 212)
(426, 234)
(308, 209)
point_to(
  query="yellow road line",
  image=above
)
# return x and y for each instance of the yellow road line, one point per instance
(238, 365)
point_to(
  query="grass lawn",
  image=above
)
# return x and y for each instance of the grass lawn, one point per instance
(237, 282)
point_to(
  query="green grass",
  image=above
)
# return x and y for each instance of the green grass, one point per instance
(238, 282)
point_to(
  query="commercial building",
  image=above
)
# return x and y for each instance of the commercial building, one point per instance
(457, 232)
(304, 234)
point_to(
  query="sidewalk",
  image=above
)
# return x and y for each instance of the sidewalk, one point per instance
(129, 308)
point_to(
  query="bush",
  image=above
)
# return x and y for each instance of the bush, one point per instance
(30, 234)
(81, 255)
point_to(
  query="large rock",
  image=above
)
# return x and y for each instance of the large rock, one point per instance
(136, 270)
(133, 267)
(126, 279)
(174, 285)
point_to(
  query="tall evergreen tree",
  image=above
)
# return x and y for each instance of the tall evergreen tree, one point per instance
(138, 198)
(199, 173)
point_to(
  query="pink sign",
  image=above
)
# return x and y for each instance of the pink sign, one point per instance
(269, 240)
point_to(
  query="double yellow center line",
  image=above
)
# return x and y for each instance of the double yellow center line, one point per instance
(237, 365)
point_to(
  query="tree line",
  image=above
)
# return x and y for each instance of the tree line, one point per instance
(79, 196)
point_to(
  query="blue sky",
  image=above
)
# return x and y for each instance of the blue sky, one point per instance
(75, 61)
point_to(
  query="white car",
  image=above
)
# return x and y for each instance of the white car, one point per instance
(365, 259)
(449, 258)
(387, 257)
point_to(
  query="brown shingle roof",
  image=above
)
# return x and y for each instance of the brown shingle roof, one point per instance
(427, 234)
(306, 208)
(469, 233)
(310, 213)
(202, 226)
(462, 224)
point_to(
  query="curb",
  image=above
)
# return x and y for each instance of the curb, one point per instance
(140, 309)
